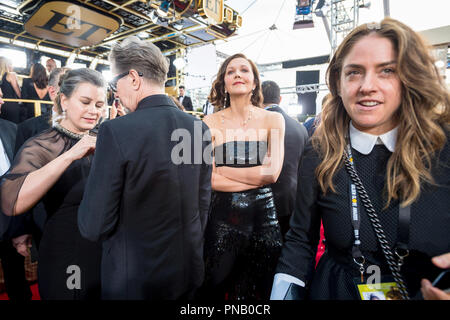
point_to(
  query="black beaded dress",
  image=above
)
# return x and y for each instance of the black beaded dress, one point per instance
(243, 239)
(62, 251)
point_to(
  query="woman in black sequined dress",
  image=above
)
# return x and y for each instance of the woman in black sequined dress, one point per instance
(243, 239)
(53, 167)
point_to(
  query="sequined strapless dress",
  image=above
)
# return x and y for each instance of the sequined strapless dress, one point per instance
(242, 239)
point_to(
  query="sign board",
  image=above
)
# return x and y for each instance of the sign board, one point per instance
(213, 9)
(71, 23)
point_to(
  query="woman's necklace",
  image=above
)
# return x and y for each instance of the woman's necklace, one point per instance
(67, 132)
(244, 123)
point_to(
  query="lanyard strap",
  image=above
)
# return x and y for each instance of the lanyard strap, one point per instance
(394, 265)
(404, 220)
(357, 255)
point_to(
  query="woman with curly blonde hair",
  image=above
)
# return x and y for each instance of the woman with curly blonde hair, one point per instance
(376, 171)
(11, 90)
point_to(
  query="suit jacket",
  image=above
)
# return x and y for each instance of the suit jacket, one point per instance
(285, 188)
(30, 128)
(11, 227)
(187, 103)
(150, 211)
(8, 131)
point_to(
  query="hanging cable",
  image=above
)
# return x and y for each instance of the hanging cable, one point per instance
(262, 49)
(283, 46)
(282, 5)
(248, 7)
(244, 36)
(252, 43)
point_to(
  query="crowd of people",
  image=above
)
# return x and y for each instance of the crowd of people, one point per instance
(149, 202)
(34, 87)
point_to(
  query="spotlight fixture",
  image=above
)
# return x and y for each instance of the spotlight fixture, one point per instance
(439, 64)
(179, 63)
(163, 9)
(177, 25)
(303, 14)
(153, 16)
(143, 35)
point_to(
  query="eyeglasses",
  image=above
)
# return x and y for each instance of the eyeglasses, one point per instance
(113, 83)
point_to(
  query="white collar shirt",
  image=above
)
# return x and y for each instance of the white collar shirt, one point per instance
(4, 160)
(364, 142)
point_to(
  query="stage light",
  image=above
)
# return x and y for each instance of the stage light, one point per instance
(439, 64)
(163, 9)
(177, 25)
(179, 63)
(143, 35)
(153, 16)
(303, 15)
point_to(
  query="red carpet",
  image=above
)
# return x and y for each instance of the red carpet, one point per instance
(34, 291)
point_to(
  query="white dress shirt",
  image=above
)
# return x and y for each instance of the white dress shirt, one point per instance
(4, 160)
(208, 108)
(363, 143)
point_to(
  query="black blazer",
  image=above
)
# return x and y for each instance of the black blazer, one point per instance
(285, 188)
(10, 227)
(30, 128)
(187, 103)
(150, 212)
(8, 136)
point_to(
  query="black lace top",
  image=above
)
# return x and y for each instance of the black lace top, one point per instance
(33, 155)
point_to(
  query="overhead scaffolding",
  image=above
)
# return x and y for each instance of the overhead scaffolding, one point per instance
(339, 18)
(305, 88)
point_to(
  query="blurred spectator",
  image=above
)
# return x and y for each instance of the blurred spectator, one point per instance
(35, 88)
(10, 88)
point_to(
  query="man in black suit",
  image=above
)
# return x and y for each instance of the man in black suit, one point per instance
(12, 229)
(185, 100)
(295, 138)
(148, 192)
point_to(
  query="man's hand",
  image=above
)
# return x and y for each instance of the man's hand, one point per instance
(117, 109)
(432, 293)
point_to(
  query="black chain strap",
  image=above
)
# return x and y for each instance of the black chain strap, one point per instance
(393, 265)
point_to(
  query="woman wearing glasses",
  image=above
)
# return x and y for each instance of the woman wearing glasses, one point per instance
(53, 167)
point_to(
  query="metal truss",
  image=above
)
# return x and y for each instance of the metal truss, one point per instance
(305, 88)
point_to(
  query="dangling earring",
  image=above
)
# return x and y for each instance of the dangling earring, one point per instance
(64, 114)
(225, 100)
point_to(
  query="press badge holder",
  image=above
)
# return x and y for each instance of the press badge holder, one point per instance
(386, 289)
